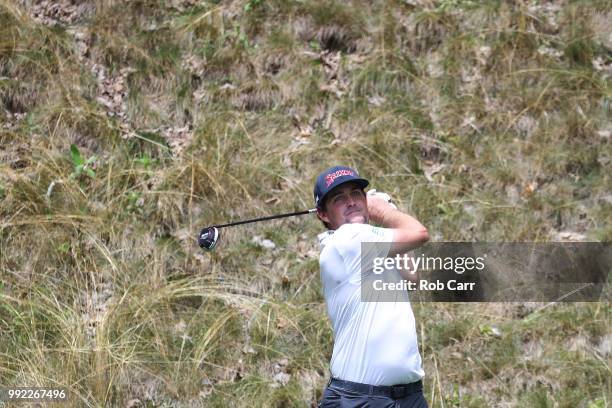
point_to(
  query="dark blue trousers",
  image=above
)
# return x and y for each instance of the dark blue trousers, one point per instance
(347, 394)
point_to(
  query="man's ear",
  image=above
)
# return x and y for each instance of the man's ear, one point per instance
(322, 216)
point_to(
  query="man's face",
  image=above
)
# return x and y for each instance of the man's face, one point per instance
(345, 204)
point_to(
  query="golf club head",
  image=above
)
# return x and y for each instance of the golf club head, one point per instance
(208, 238)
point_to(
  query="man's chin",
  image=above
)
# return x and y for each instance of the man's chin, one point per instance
(357, 219)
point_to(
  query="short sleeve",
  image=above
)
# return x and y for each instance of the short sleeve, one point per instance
(360, 244)
(375, 243)
(332, 267)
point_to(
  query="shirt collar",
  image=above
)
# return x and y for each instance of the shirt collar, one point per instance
(324, 236)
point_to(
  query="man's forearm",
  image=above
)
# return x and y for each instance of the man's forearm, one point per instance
(396, 219)
(389, 217)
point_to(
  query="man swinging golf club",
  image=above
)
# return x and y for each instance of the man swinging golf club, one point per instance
(375, 361)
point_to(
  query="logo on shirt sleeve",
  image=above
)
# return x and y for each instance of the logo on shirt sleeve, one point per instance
(377, 231)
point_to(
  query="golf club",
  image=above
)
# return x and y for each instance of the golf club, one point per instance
(210, 235)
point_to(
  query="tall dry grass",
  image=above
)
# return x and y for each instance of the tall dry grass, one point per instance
(489, 121)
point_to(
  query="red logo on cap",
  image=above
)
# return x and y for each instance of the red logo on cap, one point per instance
(333, 176)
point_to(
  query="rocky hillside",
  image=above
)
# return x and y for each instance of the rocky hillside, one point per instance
(126, 126)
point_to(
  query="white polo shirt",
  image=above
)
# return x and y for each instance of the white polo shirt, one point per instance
(374, 342)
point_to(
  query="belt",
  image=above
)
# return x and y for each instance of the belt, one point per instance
(392, 391)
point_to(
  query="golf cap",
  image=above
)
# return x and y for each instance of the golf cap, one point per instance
(333, 177)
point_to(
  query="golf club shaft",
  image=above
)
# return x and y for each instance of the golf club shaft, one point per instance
(271, 217)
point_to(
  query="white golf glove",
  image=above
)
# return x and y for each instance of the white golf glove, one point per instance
(384, 196)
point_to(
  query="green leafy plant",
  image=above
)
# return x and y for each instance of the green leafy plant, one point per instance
(81, 166)
(145, 161)
(454, 399)
(135, 202)
(251, 4)
(491, 331)
(598, 403)
(238, 36)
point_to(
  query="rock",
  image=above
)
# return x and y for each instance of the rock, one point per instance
(470, 121)
(482, 54)
(605, 133)
(178, 139)
(433, 169)
(600, 25)
(227, 87)
(533, 350)
(264, 243)
(180, 327)
(133, 403)
(376, 100)
(512, 192)
(435, 69)
(309, 381)
(605, 345)
(564, 236)
(578, 344)
(195, 65)
(549, 52)
(102, 100)
(490, 330)
(248, 350)
(281, 379)
(527, 125)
